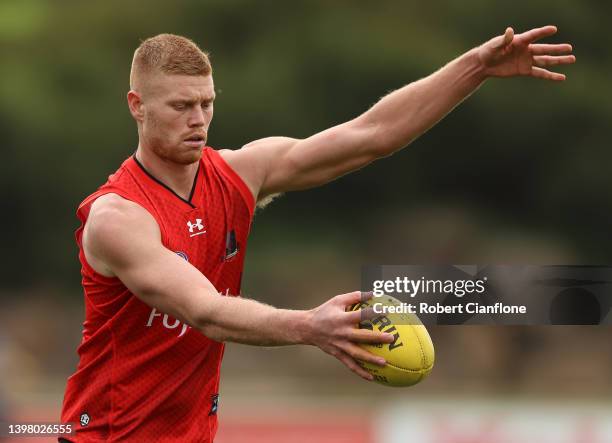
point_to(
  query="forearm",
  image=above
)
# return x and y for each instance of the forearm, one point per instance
(405, 114)
(250, 322)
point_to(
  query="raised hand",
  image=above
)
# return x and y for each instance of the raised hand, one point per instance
(511, 55)
(334, 331)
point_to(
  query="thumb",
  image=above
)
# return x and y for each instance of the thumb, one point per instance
(504, 40)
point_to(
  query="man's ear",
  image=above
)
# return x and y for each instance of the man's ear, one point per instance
(135, 104)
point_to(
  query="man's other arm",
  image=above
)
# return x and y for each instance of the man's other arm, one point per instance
(121, 239)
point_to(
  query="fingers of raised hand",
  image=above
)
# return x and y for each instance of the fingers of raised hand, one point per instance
(503, 40)
(537, 34)
(550, 55)
(551, 60)
(546, 74)
(548, 49)
(508, 36)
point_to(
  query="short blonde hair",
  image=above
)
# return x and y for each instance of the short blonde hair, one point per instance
(170, 54)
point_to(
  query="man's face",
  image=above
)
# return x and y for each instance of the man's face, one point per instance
(178, 110)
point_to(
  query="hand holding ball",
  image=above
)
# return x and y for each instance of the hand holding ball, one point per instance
(410, 357)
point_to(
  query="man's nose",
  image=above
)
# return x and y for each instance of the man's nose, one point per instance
(197, 117)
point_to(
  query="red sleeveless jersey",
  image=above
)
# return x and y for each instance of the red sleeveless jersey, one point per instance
(143, 376)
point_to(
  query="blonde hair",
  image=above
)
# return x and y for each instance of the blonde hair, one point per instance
(170, 54)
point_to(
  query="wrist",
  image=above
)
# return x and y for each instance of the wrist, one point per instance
(476, 63)
(303, 328)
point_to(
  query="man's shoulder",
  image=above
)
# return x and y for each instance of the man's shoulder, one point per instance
(112, 206)
(113, 226)
(235, 158)
(114, 220)
(245, 166)
(113, 202)
(251, 161)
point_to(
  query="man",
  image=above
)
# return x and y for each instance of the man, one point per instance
(162, 243)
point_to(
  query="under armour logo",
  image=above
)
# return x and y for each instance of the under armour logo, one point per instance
(196, 228)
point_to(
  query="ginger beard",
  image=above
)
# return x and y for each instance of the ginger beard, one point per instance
(167, 144)
(178, 110)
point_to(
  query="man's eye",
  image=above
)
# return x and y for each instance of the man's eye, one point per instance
(179, 107)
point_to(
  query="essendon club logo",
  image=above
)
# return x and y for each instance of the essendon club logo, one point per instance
(231, 245)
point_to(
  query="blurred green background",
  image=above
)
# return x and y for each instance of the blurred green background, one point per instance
(517, 174)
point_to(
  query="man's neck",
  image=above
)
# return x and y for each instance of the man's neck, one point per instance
(176, 176)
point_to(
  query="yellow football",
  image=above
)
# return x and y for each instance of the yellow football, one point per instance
(410, 357)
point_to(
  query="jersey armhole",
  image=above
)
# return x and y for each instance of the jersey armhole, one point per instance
(236, 180)
(83, 214)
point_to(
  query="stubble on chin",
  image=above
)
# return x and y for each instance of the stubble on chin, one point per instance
(189, 157)
(170, 151)
(176, 154)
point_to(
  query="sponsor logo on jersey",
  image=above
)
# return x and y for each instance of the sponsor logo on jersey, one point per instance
(196, 228)
(166, 322)
(171, 323)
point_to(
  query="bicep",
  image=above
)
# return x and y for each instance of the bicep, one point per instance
(281, 164)
(322, 157)
(129, 244)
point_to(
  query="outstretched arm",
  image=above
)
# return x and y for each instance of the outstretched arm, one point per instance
(122, 240)
(279, 164)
